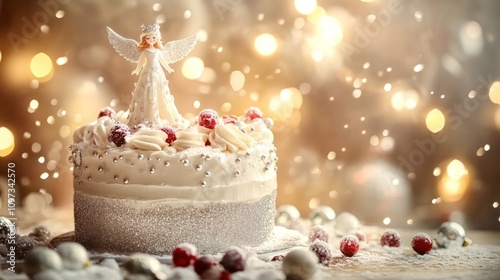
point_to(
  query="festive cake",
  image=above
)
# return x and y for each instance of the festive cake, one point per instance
(147, 179)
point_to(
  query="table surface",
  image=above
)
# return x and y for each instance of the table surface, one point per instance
(481, 260)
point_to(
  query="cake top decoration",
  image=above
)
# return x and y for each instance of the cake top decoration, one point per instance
(152, 104)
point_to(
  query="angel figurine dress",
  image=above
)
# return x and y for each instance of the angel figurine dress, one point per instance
(152, 104)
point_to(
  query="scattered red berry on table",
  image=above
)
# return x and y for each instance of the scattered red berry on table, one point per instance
(322, 251)
(253, 113)
(278, 258)
(349, 245)
(208, 118)
(421, 243)
(108, 112)
(118, 133)
(225, 275)
(318, 232)
(184, 255)
(229, 119)
(204, 263)
(233, 261)
(390, 238)
(170, 131)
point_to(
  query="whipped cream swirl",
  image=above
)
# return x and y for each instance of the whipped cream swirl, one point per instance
(195, 136)
(148, 140)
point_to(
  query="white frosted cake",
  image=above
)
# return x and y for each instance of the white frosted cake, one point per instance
(213, 188)
(147, 179)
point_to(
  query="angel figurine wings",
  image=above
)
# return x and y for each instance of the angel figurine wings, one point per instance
(152, 104)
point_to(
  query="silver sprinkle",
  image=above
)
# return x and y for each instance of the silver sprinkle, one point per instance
(207, 174)
(247, 154)
(89, 178)
(238, 160)
(199, 167)
(140, 156)
(120, 157)
(263, 157)
(125, 181)
(237, 173)
(203, 183)
(99, 169)
(115, 160)
(185, 162)
(94, 154)
(116, 177)
(167, 163)
(152, 170)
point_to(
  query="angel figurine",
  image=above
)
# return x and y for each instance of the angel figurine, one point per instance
(152, 103)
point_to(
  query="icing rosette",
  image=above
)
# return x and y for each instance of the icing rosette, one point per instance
(96, 132)
(147, 139)
(259, 131)
(230, 137)
(195, 136)
(80, 133)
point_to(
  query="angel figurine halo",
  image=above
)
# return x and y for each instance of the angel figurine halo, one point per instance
(152, 104)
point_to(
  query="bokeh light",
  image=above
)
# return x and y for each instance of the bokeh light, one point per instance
(435, 120)
(403, 99)
(305, 7)
(192, 68)
(265, 44)
(454, 183)
(41, 65)
(494, 92)
(7, 142)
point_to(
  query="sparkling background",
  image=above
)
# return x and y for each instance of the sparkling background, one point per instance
(387, 109)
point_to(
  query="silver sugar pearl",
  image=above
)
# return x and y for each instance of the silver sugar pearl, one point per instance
(94, 154)
(115, 160)
(203, 183)
(125, 181)
(199, 167)
(140, 156)
(263, 157)
(89, 178)
(152, 170)
(7, 229)
(74, 256)
(167, 163)
(286, 215)
(106, 152)
(86, 167)
(100, 169)
(185, 162)
(143, 264)
(116, 177)
(346, 223)
(120, 157)
(100, 156)
(322, 215)
(238, 160)
(237, 173)
(41, 259)
(207, 174)
(207, 157)
(451, 234)
(247, 154)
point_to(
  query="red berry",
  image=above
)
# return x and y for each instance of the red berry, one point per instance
(208, 118)
(207, 143)
(421, 243)
(253, 113)
(225, 275)
(118, 133)
(204, 263)
(349, 245)
(184, 255)
(229, 119)
(278, 258)
(318, 232)
(108, 112)
(322, 251)
(170, 131)
(233, 261)
(390, 238)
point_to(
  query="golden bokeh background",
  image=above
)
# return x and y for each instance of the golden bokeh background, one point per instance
(388, 109)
